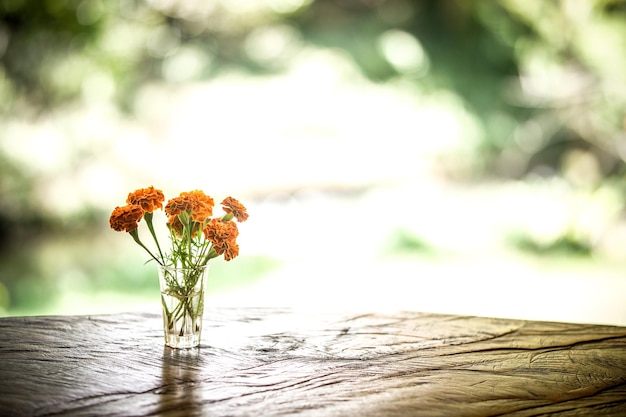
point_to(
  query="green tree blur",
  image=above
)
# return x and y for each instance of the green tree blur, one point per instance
(554, 68)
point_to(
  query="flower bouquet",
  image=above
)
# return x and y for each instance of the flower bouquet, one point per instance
(195, 237)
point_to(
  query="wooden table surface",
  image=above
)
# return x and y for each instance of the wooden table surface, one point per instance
(270, 362)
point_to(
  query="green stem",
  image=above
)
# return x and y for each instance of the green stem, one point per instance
(135, 234)
(189, 239)
(212, 254)
(167, 311)
(148, 217)
(183, 314)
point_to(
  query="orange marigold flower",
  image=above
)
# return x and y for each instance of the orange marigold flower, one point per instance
(219, 232)
(149, 199)
(126, 218)
(196, 202)
(177, 205)
(175, 225)
(232, 205)
(230, 249)
(203, 206)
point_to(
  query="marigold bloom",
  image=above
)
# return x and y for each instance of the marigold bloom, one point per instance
(149, 199)
(223, 236)
(232, 205)
(199, 205)
(230, 249)
(176, 225)
(126, 218)
(219, 232)
(203, 206)
(177, 205)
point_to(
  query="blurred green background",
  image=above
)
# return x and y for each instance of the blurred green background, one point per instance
(454, 156)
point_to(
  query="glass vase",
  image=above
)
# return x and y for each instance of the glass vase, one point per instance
(182, 299)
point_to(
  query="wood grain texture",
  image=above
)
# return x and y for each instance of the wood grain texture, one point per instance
(268, 362)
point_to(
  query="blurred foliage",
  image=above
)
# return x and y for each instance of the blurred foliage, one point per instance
(405, 242)
(61, 273)
(545, 78)
(568, 245)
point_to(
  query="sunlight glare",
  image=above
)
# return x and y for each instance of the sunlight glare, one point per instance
(287, 6)
(404, 52)
(271, 43)
(186, 64)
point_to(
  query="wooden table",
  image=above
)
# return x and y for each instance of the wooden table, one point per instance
(270, 362)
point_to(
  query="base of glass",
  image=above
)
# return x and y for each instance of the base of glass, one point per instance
(182, 342)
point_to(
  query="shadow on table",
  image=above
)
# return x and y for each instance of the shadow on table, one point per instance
(178, 394)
